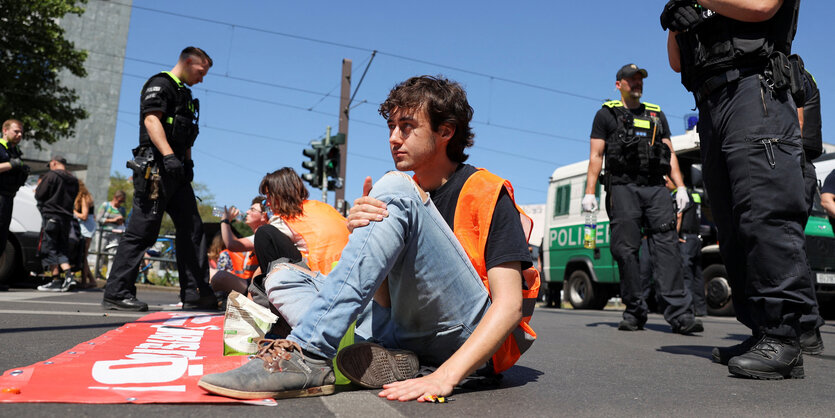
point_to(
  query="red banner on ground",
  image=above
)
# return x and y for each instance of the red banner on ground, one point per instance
(157, 359)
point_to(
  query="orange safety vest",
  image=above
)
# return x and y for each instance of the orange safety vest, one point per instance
(473, 214)
(244, 263)
(325, 232)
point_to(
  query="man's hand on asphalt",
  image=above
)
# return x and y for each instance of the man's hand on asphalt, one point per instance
(366, 209)
(409, 390)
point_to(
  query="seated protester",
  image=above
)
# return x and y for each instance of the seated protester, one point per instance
(304, 230)
(237, 263)
(450, 278)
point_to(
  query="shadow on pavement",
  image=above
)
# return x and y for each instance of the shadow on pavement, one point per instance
(64, 327)
(703, 351)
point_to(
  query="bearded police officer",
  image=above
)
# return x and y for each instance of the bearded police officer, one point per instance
(635, 139)
(732, 55)
(162, 176)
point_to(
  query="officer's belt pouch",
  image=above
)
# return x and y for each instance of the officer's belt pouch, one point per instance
(183, 131)
(780, 70)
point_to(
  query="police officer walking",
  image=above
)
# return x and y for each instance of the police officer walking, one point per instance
(690, 244)
(13, 174)
(733, 56)
(163, 171)
(635, 139)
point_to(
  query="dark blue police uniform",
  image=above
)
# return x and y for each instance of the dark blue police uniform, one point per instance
(165, 93)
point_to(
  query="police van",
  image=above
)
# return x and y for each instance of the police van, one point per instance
(588, 278)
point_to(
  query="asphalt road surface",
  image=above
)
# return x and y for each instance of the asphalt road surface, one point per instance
(581, 365)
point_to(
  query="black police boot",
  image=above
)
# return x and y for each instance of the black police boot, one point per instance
(811, 342)
(125, 304)
(688, 326)
(630, 325)
(771, 358)
(722, 355)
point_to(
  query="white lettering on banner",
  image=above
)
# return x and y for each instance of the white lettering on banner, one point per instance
(165, 356)
(171, 346)
(117, 372)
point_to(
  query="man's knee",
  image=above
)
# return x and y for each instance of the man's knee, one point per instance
(397, 182)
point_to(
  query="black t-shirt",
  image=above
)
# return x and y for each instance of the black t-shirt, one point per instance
(605, 123)
(506, 239)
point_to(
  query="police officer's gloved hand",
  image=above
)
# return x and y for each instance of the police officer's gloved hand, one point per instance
(15, 162)
(589, 203)
(682, 199)
(173, 166)
(680, 15)
(189, 168)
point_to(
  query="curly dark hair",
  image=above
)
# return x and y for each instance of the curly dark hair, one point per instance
(444, 101)
(286, 190)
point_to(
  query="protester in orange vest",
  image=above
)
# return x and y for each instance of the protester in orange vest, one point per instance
(239, 251)
(459, 301)
(306, 231)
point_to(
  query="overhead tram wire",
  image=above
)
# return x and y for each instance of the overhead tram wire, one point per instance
(347, 46)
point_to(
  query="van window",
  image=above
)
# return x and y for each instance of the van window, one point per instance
(563, 198)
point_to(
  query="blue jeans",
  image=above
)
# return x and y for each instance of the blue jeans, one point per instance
(437, 298)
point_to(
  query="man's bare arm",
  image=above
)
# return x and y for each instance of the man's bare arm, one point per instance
(153, 124)
(501, 319)
(675, 171)
(598, 146)
(744, 10)
(828, 203)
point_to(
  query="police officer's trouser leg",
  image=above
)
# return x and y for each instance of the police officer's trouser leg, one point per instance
(6, 203)
(751, 153)
(691, 269)
(647, 276)
(810, 180)
(140, 234)
(625, 222)
(666, 258)
(192, 260)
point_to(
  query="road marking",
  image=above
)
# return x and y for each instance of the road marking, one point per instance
(114, 314)
(360, 404)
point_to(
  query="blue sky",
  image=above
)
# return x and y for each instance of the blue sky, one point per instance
(535, 72)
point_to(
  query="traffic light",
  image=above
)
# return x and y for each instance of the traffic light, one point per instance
(331, 156)
(315, 165)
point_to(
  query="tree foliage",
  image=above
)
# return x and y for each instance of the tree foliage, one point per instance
(33, 54)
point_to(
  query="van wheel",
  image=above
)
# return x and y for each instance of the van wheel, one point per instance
(718, 291)
(7, 263)
(582, 293)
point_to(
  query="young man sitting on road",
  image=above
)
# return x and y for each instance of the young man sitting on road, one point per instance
(429, 284)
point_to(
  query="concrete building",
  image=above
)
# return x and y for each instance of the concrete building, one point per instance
(103, 31)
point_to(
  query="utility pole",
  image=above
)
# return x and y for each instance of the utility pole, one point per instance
(344, 103)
